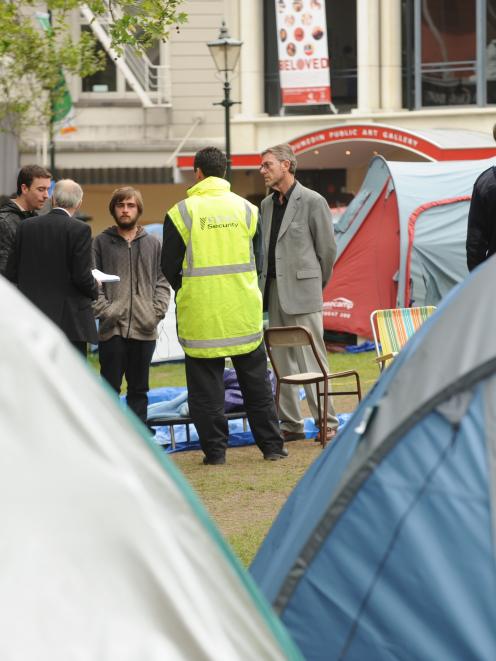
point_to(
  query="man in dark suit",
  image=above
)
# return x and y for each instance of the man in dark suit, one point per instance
(51, 263)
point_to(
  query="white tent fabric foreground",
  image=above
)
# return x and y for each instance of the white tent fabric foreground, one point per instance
(167, 347)
(105, 552)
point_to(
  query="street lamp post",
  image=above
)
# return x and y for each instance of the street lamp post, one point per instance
(225, 53)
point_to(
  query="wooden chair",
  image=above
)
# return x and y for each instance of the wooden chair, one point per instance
(393, 328)
(299, 336)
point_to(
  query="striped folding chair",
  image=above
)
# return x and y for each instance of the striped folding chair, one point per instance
(393, 328)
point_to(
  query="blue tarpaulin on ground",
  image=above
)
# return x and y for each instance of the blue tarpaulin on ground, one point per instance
(360, 348)
(158, 399)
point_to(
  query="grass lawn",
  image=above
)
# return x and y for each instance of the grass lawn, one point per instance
(245, 495)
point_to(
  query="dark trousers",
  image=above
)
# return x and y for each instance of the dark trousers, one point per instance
(82, 347)
(130, 358)
(205, 379)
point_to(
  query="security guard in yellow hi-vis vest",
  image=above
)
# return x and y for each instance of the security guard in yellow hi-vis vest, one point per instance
(208, 258)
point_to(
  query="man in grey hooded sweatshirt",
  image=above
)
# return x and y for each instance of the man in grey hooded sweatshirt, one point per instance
(129, 310)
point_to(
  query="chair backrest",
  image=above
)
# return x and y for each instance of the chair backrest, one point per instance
(290, 336)
(393, 328)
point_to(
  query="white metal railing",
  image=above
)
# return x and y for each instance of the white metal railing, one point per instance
(151, 82)
(154, 78)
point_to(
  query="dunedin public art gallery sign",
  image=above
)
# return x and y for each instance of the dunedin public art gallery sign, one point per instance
(374, 133)
(390, 135)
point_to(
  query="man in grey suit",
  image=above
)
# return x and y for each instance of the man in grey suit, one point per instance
(299, 252)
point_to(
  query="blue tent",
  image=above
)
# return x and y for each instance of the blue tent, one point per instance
(386, 548)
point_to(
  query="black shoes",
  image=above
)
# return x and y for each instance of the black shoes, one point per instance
(270, 456)
(217, 461)
(275, 456)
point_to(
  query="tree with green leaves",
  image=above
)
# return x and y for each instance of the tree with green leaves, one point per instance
(37, 49)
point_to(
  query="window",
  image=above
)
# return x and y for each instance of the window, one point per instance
(490, 51)
(111, 83)
(101, 81)
(449, 52)
(341, 21)
(341, 26)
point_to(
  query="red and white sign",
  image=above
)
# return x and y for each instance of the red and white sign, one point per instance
(339, 303)
(373, 133)
(391, 135)
(303, 52)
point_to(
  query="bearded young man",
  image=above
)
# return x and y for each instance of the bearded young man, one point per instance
(129, 310)
(33, 184)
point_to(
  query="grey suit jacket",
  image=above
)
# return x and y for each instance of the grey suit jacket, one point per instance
(305, 250)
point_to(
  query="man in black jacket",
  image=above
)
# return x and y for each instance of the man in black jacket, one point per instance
(33, 183)
(51, 262)
(481, 229)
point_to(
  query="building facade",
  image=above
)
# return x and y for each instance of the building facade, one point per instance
(409, 79)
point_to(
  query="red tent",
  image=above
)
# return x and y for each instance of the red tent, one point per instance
(401, 241)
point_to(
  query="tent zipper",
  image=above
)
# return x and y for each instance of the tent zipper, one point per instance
(130, 289)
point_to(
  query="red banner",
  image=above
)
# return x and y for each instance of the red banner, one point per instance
(303, 52)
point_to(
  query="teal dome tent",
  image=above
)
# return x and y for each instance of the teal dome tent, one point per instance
(386, 548)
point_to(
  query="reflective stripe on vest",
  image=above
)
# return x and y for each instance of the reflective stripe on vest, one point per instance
(223, 342)
(191, 271)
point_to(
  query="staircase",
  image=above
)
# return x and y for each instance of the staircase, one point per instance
(151, 82)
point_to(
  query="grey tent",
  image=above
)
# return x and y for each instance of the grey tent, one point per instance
(105, 552)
